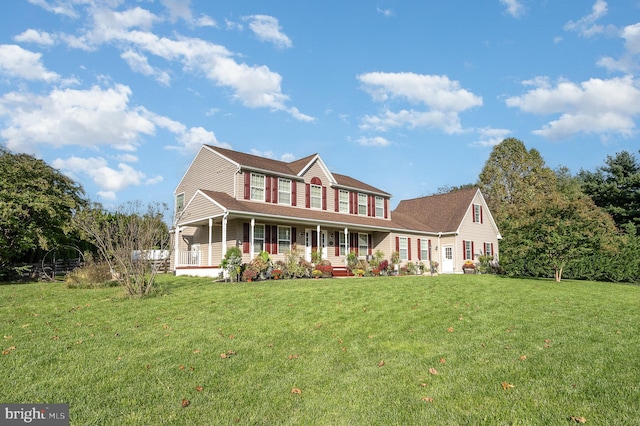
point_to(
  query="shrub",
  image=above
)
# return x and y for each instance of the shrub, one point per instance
(91, 275)
(249, 274)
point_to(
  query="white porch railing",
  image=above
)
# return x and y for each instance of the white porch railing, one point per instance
(189, 258)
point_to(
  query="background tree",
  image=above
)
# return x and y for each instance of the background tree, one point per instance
(615, 187)
(36, 206)
(125, 239)
(513, 177)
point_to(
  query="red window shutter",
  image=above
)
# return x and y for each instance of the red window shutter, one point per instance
(397, 244)
(409, 248)
(472, 250)
(352, 206)
(245, 238)
(386, 207)
(247, 185)
(370, 244)
(324, 198)
(337, 243)
(336, 199)
(267, 238)
(481, 221)
(293, 236)
(419, 250)
(267, 189)
(294, 193)
(307, 195)
(464, 250)
(274, 239)
(429, 249)
(274, 190)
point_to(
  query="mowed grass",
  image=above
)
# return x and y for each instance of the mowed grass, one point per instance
(447, 350)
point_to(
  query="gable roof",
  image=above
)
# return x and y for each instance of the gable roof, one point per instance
(437, 213)
(293, 168)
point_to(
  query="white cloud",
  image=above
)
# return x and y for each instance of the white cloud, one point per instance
(435, 91)
(90, 117)
(140, 64)
(178, 9)
(42, 38)
(628, 62)
(444, 98)
(587, 26)
(514, 7)
(109, 180)
(60, 7)
(387, 13)
(18, 62)
(490, 136)
(373, 141)
(594, 106)
(267, 28)
(449, 122)
(195, 137)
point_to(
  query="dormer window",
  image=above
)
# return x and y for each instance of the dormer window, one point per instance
(316, 196)
(257, 187)
(179, 202)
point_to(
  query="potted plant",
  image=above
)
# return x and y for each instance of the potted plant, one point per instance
(469, 267)
(316, 273)
(249, 275)
(276, 274)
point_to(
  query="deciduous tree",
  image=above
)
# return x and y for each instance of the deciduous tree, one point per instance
(36, 206)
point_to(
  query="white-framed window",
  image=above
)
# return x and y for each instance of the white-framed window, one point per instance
(316, 196)
(179, 202)
(284, 191)
(379, 207)
(284, 239)
(477, 213)
(468, 250)
(488, 249)
(257, 187)
(403, 248)
(363, 244)
(258, 239)
(343, 201)
(342, 243)
(362, 204)
(424, 249)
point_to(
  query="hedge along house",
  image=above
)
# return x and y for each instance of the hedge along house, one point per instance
(228, 198)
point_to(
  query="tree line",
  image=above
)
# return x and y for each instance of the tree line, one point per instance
(42, 210)
(555, 224)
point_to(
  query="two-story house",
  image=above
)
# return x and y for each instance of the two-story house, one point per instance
(228, 198)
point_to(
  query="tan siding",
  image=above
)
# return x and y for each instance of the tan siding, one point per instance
(200, 208)
(208, 171)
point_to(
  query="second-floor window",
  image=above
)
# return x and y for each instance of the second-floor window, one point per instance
(362, 204)
(379, 207)
(316, 196)
(284, 191)
(257, 187)
(179, 202)
(343, 206)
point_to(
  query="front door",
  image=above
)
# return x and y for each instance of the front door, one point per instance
(312, 244)
(447, 258)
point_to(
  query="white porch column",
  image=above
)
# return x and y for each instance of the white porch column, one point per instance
(210, 242)
(224, 234)
(251, 236)
(176, 244)
(346, 243)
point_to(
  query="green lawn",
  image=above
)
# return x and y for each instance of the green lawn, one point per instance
(480, 349)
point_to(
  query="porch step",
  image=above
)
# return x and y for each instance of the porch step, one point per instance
(341, 271)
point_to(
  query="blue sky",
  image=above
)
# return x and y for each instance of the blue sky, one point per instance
(408, 96)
